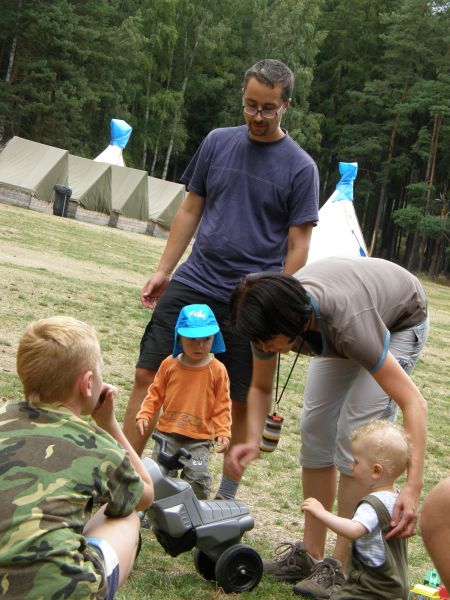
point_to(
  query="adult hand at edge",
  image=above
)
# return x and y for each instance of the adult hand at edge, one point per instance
(154, 289)
(240, 456)
(405, 514)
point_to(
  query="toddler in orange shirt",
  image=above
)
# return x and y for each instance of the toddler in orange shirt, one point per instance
(192, 388)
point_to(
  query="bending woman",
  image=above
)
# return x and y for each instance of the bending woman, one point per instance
(365, 319)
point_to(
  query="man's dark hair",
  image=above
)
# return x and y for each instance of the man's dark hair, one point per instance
(272, 72)
(264, 305)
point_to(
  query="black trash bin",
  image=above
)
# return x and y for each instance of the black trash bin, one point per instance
(61, 200)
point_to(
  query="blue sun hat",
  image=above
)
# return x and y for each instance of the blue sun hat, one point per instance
(197, 321)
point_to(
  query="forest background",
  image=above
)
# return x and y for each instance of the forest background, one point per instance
(372, 86)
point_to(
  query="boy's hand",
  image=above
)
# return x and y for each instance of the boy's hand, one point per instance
(103, 413)
(312, 506)
(222, 443)
(142, 425)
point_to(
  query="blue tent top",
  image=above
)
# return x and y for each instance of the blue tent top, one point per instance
(120, 133)
(344, 191)
(344, 187)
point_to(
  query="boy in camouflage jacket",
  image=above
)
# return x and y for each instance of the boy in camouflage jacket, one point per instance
(54, 465)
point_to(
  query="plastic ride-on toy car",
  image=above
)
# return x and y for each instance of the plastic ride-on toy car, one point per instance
(213, 527)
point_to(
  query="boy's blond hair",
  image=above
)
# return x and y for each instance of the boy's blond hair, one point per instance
(385, 443)
(51, 354)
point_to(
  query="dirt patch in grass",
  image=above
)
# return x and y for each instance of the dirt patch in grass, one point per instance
(23, 270)
(55, 263)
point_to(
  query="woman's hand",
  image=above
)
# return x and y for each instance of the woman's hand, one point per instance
(405, 513)
(240, 456)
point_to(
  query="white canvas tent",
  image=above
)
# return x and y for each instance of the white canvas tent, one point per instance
(338, 232)
(164, 199)
(33, 168)
(90, 183)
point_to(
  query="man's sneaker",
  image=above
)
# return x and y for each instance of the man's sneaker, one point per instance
(291, 562)
(326, 577)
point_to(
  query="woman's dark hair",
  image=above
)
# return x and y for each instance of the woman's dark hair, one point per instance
(264, 305)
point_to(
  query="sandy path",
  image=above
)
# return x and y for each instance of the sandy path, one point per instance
(56, 263)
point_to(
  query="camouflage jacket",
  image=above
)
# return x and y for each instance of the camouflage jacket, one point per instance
(53, 465)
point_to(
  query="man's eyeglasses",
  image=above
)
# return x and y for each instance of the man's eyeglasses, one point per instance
(266, 113)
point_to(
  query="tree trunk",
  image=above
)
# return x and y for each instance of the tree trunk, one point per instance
(364, 215)
(382, 199)
(398, 245)
(433, 268)
(145, 124)
(12, 54)
(392, 230)
(411, 256)
(183, 90)
(422, 247)
(431, 166)
(168, 153)
(169, 78)
(155, 155)
(12, 57)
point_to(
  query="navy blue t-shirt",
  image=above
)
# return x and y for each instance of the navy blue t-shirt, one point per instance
(254, 191)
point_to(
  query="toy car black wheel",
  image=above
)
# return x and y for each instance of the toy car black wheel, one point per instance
(238, 569)
(204, 565)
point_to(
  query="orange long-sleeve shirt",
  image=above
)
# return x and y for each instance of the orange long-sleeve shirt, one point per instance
(195, 400)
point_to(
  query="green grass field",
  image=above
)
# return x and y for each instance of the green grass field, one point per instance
(50, 265)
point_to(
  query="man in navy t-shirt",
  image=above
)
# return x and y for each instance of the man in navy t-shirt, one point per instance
(252, 203)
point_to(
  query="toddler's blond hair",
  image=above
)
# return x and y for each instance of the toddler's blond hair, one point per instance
(385, 443)
(52, 353)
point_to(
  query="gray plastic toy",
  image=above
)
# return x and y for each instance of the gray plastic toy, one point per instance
(213, 527)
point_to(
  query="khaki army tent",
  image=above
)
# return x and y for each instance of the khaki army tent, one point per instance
(33, 168)
(164, 198)
(130, 192)
(30, 170)
(90, 183)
